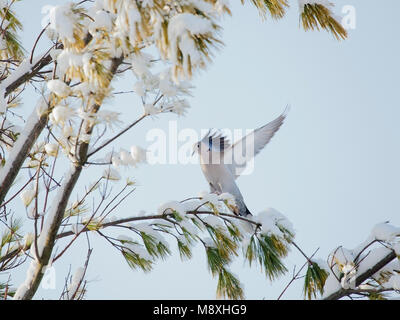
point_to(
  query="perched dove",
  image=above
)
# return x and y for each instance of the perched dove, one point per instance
(222, 162)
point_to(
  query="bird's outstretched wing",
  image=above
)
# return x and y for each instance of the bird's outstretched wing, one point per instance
(241, 152)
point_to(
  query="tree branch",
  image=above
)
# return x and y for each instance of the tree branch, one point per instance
(364, 276)
(48, 235)
(31, 131)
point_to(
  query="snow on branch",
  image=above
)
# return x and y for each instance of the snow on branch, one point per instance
(208, 220)
(370, 270)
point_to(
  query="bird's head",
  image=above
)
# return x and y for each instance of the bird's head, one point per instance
(212, 141)
(196, 148)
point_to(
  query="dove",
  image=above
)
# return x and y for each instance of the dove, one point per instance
(222, 163)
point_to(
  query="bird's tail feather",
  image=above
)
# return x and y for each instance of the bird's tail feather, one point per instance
(243, 210)
(247, 212)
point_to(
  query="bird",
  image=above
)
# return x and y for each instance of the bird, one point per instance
(222, 163)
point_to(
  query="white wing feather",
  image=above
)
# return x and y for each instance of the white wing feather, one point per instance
(240, 153)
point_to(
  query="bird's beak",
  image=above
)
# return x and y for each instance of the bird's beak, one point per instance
(193, 153)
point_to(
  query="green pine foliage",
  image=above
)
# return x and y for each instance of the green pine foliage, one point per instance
(6, 292)
(184, 250)
(377, 296)
(154, 247)
(135, 261)
(229, 286)
(314, 281)
(268, 252)
(9, 28)
(10, 237)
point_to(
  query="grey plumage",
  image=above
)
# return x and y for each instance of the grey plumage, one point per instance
(222, 162)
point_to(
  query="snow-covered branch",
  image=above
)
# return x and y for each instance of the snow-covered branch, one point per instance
(54, 218)
(369, 273)
(370, 270)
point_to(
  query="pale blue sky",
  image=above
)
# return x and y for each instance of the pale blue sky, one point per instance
(332, 169)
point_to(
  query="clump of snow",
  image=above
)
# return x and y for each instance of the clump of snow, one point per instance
(343, 256)
(181, 29)
(167, 87)
(41, 107)
(228, 198)
(126, 158)
(59, 87)
(83, 89)
(27, 196)
(209, 243)
(189, 226)
(220, 6)
(78, 275)
(171, 206)
(385, 232)
(270, 221)
(348, 281)
(331, 285)
(116, 161)
(66, 59)
(3, 100)
(102, 20)
(30, 272)
(61, 114)
(141, 63)
(135, 248)
(396, 248)
(28, 239)
(213, 221)
(191, 205)
(146, 228)
(3, 4)
(246, 241)
(54, 53)
(51, 149)
(138, 154)
(211, 198)
(187, 22)
(68, 131)
(62, 21)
